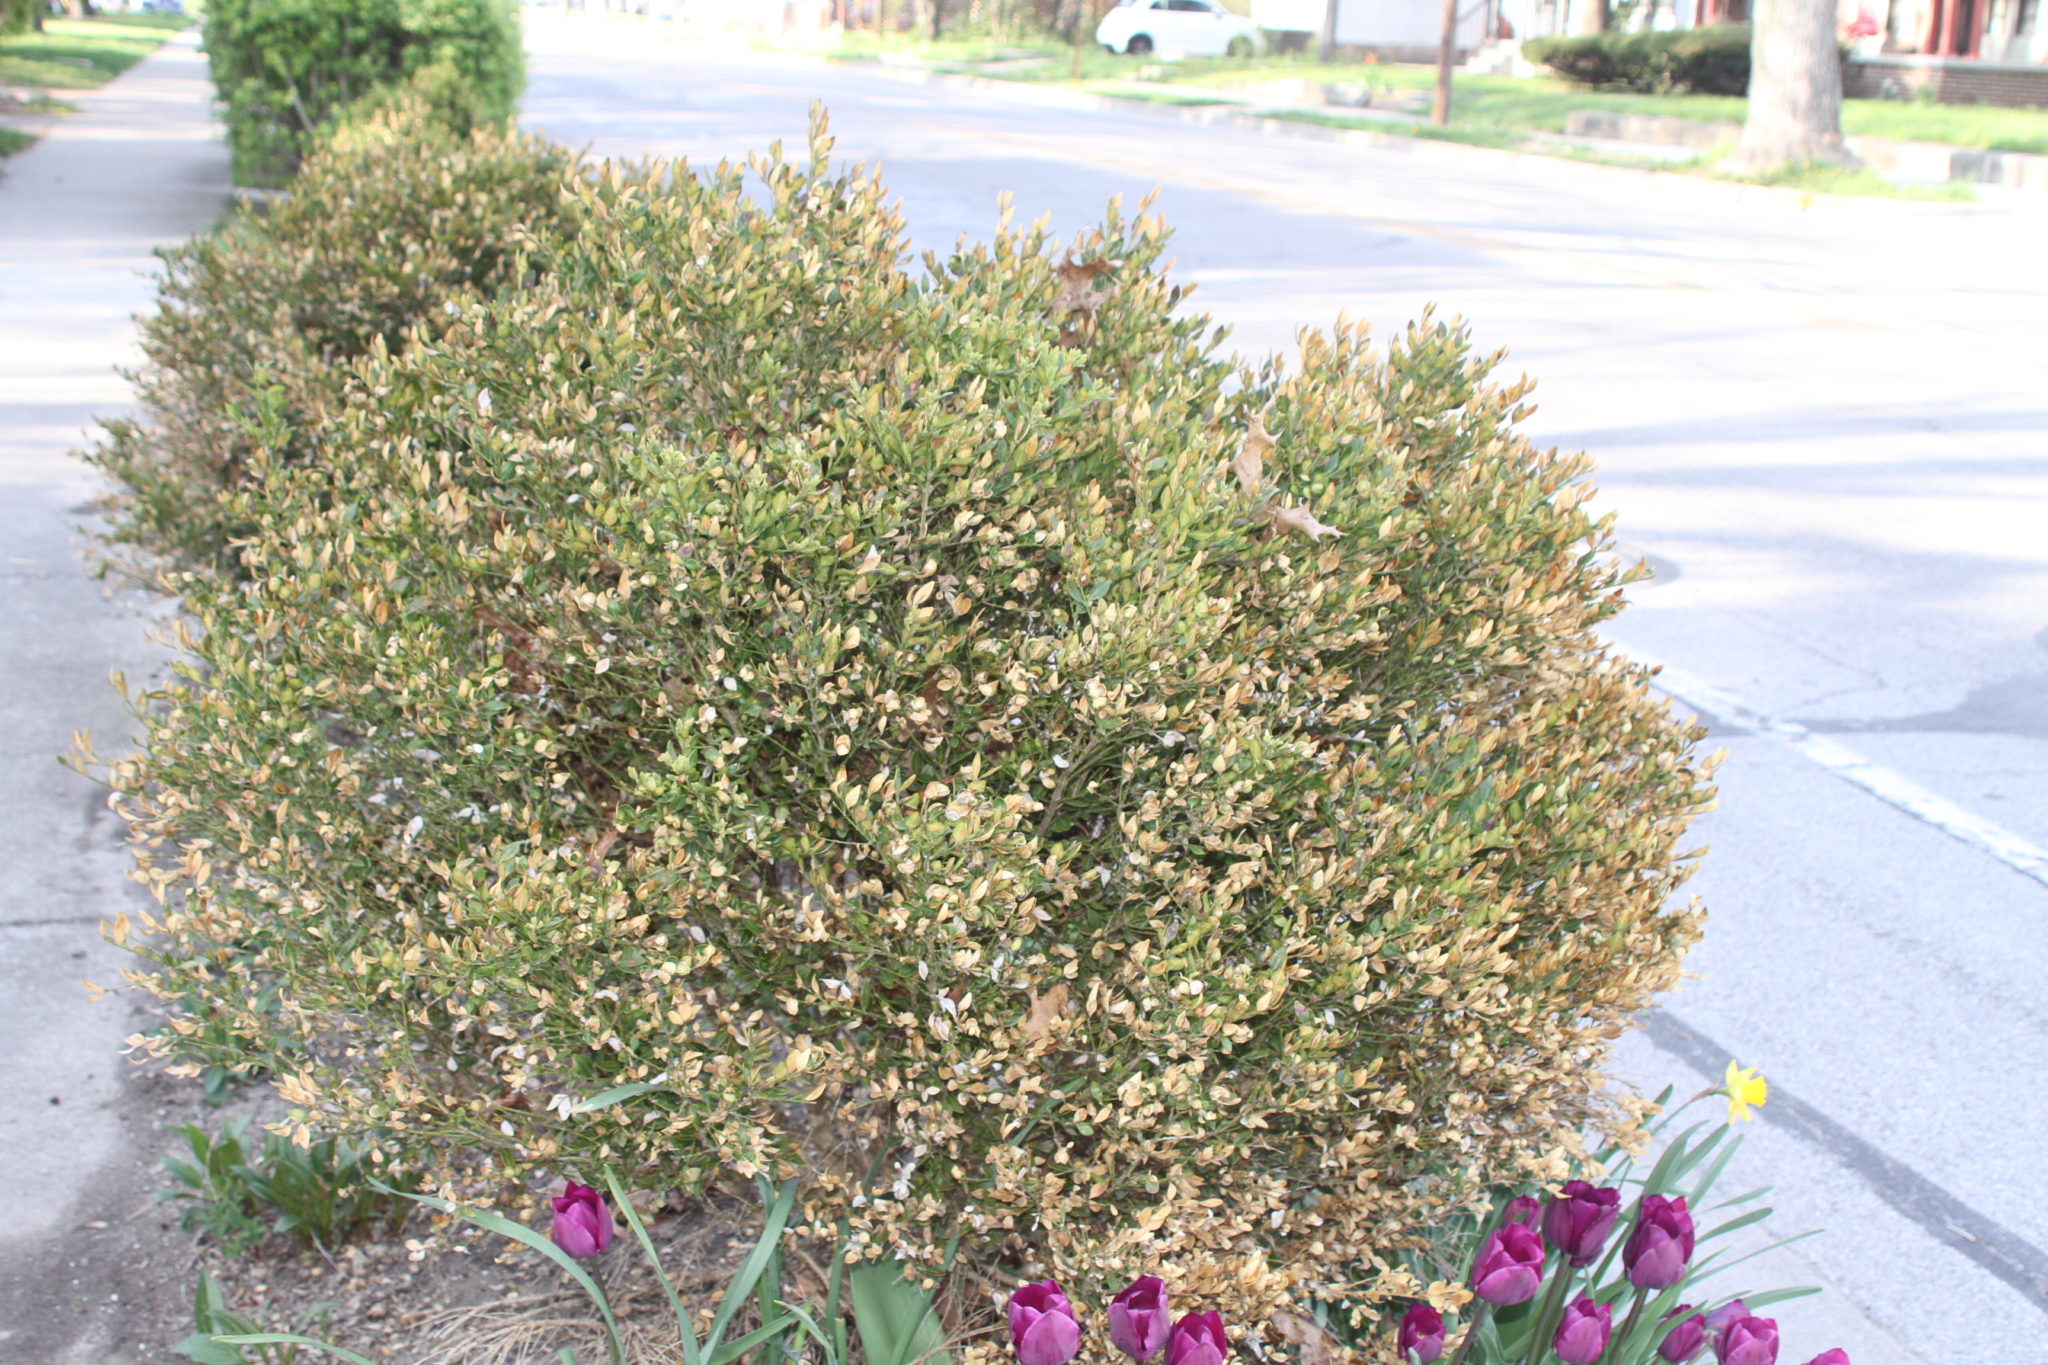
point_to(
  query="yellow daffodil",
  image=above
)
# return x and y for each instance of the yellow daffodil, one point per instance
(1745, 1091)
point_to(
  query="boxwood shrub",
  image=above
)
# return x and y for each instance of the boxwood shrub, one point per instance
(1713, 60)
(400, 214)
(955, 733)
(286, 68)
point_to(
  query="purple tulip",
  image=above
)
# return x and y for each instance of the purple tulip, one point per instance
(1510, 1265)
(1837, 1356)
(1138, 1323)
(1683, 1341)
(1524, 1210)
(1577, 1221)
(1582, 1332)
(1748, 1341)
(1661, 1243)
(583, 1224)
(1043, 1330)
(1731, 1311)
(1422, 1334)
(1198, 1339)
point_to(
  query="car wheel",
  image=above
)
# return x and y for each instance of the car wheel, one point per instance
(1240, 46)
(1139, 45)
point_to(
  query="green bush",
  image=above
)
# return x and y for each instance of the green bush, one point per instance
(1704, 61)
(854, 721)
(286, 68)
(17, 16)
(398, 216)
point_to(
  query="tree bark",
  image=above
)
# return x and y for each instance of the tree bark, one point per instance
(1795, 87)
(1327, 49)
(1446, 57)
(1589, 16)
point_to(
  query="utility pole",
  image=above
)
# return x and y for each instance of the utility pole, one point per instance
(1446, 53)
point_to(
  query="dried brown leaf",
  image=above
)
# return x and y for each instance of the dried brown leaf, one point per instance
(1045, 1010)
(1301, 520)
(1080, 290)
(1250, 462)
(1316, 1346)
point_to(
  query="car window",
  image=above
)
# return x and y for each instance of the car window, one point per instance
(1190, 6)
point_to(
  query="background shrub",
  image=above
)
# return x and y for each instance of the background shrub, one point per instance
(400, 214)
(286, 68)
(1713, 60)
(858, 713)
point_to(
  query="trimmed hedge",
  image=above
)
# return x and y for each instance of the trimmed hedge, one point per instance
(286, 68)
(917, 730)
(399, 216)
(1701, 61)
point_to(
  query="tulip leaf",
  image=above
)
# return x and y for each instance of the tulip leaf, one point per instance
(526, 1236)
(1714, 1265)
(751, 1269)
(209, 1351)
(894, 1317)
(733, 1350)
(687, 1334)
(1657, 1181)
(1742, 1221)
(1756, 1301)
(293, 1339)
(1713, 1172)
(1735, 1200)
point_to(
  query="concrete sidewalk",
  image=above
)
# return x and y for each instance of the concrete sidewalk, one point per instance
(139, 166)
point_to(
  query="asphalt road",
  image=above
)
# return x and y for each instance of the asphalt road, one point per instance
(1824, 421)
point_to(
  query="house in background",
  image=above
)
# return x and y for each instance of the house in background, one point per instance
(1956, 51)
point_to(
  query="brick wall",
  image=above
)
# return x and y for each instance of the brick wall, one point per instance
(1954, 80)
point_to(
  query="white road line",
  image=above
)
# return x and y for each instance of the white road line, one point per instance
(1892, 788)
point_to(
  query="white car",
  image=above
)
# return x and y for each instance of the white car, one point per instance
(1176, 28)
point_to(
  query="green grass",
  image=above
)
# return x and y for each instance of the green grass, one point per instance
(13, 140)
(1490, 110)
(1822, 178)
(83, 54)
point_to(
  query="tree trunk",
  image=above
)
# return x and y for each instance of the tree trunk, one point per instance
(1589, 16)
(1326, 50)
(1795, 87)
(1446, 57)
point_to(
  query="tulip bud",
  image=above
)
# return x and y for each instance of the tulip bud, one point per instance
(1138, 1324)
(1683, 1341)
(1577, 1221)
(1524, 1210)
(1198, 1339)
(1748, 1341)
(1043, 1330)
(1422, 1334)
(1660, 1245)
(1731, 1311)
(1583, 1331)
(1837, 1356)
(583, 1224)
(1510, 1265)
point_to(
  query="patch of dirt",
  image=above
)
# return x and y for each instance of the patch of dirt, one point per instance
(117, 1287)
